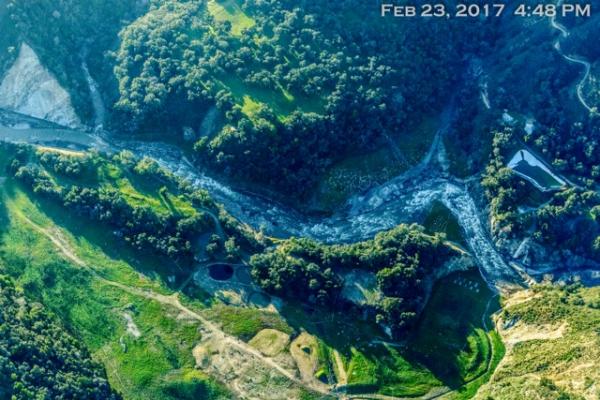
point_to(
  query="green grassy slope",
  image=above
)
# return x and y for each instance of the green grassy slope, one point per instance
(231, 12)
(116, 300)
(441, 219)
(450, 347)
(108, 295)
(455, 337)
(93, 310)
(158, 364)
(370, 364)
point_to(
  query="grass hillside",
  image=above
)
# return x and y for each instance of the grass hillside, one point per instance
(161, 335)
(450, 351)
(76, 270)
(553, 345)
(93, 310)
(455, 337)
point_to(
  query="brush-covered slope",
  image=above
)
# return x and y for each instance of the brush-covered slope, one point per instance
(553, 345)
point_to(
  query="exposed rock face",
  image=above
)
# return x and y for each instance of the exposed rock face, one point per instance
(29, 88)
(208, 122)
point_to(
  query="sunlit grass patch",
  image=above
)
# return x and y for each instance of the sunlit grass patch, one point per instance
(91, 308)
(252, 98)
(245, 323)
(251, 107)
(230, 11)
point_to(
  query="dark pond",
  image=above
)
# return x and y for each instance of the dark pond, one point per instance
(220, 272)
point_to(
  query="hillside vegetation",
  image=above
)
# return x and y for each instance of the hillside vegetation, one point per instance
(298, 86)
(37, 359)
(567, 220)
(145, 206)
(99, 288)
(124, 297)
(402, 260)
(553, 339)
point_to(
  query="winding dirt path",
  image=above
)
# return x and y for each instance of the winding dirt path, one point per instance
(564, 32)
(343, 377)
(172, 300)
(62, 244)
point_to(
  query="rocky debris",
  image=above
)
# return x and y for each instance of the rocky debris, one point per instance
(132, 328)
(208, 122)
(246, 376)
(30, 89)
(539, 261)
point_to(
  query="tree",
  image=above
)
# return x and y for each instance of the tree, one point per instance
(39, 358)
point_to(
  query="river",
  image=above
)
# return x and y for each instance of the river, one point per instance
(400, 200)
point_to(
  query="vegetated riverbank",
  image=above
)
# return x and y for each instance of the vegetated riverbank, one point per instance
(140, 303)
(382, 208)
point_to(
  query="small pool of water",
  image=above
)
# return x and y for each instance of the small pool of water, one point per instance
(220, 272)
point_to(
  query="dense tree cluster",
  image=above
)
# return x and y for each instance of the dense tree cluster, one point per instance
(286, 275)
(74, 167)
(525, 74)
(303, 85)
(401, 258)
(569, 220)
(503, 188)
(38, 359)
(141, 226)
(572, 147)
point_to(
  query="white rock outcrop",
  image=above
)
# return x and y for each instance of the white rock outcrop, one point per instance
(29, 88)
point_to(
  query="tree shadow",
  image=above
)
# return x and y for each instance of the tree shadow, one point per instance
(451, 338)
(437, 348)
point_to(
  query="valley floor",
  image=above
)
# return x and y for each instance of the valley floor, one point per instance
(159, 343)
